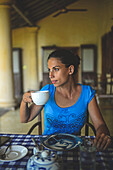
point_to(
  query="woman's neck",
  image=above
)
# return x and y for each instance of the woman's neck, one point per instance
(68, 89)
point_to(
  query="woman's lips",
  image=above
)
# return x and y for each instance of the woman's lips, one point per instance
(54, 81)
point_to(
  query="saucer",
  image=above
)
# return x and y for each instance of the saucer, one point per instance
(61, 142)
(14, 153)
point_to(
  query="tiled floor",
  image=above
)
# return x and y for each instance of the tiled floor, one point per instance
(10, 121)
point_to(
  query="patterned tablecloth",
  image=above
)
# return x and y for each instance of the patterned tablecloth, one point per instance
(104, 160)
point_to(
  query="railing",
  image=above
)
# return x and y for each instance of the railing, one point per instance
(105, 85)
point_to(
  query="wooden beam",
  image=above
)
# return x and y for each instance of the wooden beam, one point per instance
(22, 15)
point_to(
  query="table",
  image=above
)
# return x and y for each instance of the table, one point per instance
(70, 159)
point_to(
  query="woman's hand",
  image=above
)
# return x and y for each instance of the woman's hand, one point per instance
(102, 141)
(28, 110)
(27, 97)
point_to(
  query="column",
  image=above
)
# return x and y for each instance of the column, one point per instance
(6, 71)
(30, 59)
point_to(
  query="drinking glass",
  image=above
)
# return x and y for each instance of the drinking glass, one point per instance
(87, 156)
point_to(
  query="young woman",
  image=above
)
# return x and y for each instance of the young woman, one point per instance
(66, 109)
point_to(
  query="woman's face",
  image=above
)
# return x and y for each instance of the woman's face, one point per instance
(58, 73)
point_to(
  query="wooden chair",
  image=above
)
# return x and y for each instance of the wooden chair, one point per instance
(40, 125)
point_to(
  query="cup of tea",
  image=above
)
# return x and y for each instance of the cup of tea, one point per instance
(40, 97)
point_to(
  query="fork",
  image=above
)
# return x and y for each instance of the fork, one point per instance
(3, 156)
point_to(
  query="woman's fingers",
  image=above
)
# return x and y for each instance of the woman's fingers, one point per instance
(108, 142)
(27, 97)
(96, 139)
(102, 141)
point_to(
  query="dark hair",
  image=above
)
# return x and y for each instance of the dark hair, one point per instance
(66, 57)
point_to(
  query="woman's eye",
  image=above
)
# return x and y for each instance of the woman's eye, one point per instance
(56, 69)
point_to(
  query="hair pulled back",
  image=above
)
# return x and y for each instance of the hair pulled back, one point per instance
(66, 57)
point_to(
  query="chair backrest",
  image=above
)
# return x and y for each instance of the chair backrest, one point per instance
(41, 118)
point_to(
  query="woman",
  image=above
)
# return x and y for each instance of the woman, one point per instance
(66, 109)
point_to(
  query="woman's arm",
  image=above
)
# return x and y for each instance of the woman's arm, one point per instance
(28, 113)
(102, 139)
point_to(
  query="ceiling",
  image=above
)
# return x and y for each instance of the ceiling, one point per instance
(29, 12)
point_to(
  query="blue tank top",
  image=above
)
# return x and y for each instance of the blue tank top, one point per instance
(69, 119)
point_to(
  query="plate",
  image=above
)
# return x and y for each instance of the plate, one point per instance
(14, 153)
(61, 142)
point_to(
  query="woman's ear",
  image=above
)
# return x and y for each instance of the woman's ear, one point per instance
(71, 69)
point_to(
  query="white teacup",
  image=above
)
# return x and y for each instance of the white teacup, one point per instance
(40, 97)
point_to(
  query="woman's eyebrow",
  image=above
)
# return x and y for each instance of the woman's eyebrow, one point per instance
(55, 67)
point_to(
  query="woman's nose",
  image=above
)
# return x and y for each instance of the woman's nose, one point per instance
(51, 74)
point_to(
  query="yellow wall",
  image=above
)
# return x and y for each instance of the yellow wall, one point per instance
(70, 29)
(26, 38)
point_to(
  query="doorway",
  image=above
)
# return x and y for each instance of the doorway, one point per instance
(89, 65)
(17, 72)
